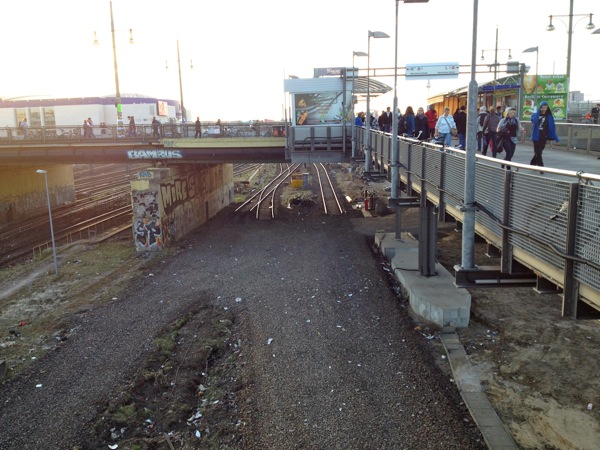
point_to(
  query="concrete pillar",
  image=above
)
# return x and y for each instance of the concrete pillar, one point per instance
(169, 203)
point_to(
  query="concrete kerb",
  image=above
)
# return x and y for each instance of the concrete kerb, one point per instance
(435, 298)
(438, 300)
(493, 430)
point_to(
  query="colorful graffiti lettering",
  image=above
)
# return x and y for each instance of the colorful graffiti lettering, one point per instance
(148, 234)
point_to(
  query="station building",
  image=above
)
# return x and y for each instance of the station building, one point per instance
(56, 112)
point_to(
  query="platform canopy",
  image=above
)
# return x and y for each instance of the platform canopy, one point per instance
(376, 87)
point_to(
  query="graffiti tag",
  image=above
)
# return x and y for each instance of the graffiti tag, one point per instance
(154, 154)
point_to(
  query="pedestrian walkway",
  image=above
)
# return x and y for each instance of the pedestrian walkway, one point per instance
(556, 157)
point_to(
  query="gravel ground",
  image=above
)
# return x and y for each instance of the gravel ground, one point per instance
(329, 354)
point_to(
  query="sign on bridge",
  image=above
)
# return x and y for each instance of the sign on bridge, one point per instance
(432, 70)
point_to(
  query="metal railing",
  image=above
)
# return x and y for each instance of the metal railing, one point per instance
(144, 133)
(549, 225)
(574, 136)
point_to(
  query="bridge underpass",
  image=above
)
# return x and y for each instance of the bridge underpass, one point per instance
(181, 172)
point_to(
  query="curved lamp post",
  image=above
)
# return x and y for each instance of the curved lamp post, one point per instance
(537, 54)
(114, 46)
(354, 53)
(183, 110)
(496, 50)
(551, 27)
(45, 173)
(395, 173)
(376, 35)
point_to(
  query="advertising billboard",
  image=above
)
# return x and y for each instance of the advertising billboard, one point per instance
(163, 108)
(318, 108)
(545, 88)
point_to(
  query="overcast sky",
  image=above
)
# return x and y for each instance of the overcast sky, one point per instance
(242, 50)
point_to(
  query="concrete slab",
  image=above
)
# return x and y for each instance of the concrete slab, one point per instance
(434, 298)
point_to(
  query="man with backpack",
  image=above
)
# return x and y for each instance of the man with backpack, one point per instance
(480, 136)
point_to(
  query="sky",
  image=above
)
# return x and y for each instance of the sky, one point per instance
(243, 50)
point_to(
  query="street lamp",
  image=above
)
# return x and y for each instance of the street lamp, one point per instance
(496, 50)
(183, 110)
(469, 208)
(395, 173)
(376, 35)
(114, 45)
(551, 27)
(537, 53)
(50, 215)
(354, 53)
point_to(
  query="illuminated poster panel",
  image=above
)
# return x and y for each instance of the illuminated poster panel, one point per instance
(318, 108)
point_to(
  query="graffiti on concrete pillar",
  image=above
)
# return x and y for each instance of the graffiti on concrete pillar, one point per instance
(148, 233)
(147, 228)
(178, 192)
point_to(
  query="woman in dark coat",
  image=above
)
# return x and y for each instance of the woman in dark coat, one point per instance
(421, 125)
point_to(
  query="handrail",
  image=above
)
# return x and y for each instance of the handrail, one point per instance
(139, 132)
(548, 224)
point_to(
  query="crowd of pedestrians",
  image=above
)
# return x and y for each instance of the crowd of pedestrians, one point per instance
(497, 130)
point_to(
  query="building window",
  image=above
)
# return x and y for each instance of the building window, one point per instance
(49, 119)
(21, 114)
(35, 118)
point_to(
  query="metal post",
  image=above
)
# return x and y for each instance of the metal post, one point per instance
(368, 120)
(468, 232)
(50, 217)
(354, 73)
(569, 52)
(395, 150)
(183, 112)
(118, 90)
(496, 56)
(353, 112)
(535, 90)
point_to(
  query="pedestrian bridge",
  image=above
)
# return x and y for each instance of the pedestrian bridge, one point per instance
(226, 142)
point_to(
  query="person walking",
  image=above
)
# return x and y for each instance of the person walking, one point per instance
(24, 125)
(131, 130)
(155, 126)
(359, 122)
(490, 134)
(90, 128)
(409, 121)
(421, 125)
(381, 121)
(595, 112)
(198, 128)
(387, 120)
(543, 129)
(87, 129)
(509, 131)
(432, 116)
(481, 142)
(460, 118)
(444, 126)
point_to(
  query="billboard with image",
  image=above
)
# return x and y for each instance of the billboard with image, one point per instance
(545, 88)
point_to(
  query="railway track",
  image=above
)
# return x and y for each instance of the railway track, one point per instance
(265, 201)
(262, 201)
(102, 202)
(329, 198)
